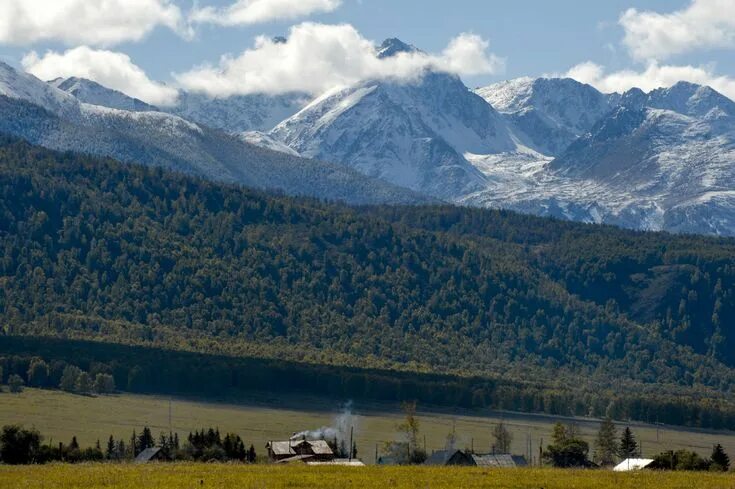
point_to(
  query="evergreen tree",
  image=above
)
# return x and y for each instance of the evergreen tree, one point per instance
(628, 445)
(121, 449)
(134, 449)
(111, 448)
(251, 454)
(720, 459)
(74, 445)
(502, 438)
(605, 448)
(145, 440)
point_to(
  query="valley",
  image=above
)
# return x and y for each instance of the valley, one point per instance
(262, 417)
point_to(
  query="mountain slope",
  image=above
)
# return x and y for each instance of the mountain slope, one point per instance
(239, 113)
(658, 161)
(123, 253)
(93, 93)
(548, 114)
(414, 134)
(53, 118)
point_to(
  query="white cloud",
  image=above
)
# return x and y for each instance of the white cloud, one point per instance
(652, 77)
(91, 22)
(703, 24)
(108, 68)
(244, 12)
(317, 57)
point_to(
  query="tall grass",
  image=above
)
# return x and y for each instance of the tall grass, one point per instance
(183, 476)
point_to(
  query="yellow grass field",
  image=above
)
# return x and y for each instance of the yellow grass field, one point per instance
(193, 476)
(59, 416)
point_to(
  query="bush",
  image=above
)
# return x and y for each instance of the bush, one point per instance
(69, 378)
(15, 383)
(84, 383)
(104, 384)
(19, 446)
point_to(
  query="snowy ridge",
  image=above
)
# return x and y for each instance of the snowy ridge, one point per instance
(43, 114)
(93, 93)
(239, 113)
(547, 114)
(413, 134)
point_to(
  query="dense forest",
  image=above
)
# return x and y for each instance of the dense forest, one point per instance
(97, 250)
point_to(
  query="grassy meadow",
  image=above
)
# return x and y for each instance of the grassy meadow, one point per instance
(184, 476)
(59, 416)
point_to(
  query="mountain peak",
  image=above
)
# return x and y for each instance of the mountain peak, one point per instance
(393, 46)
(91, 92)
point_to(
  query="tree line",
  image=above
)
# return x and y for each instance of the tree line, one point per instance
(21, 446)
(569, 450)
(152, 371)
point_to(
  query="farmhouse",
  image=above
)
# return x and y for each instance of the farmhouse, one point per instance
(300, 450)
(499, 460)
(458, 457)
(149, 455)
(449, 457)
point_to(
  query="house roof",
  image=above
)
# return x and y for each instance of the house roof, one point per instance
(321, 447)
(147, 455)
(633, 464)
(281, 447)
(296, 458)
(498, 460)
(442, 457)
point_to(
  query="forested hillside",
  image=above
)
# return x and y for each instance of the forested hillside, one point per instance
(94, 249)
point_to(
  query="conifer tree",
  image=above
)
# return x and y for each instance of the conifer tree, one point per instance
(720, 459)
(110, 452)
(628, 445)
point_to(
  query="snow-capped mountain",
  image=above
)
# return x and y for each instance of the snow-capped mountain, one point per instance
(239, 113)
(659, 161)
(547, 114)
(43, 114)
(413, 133)
(91, 92)
(235, 114)
(393, 46)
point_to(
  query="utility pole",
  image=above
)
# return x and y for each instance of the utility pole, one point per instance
(540, 451)
(352, 430)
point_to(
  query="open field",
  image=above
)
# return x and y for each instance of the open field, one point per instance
(182, 476)
(59, 415)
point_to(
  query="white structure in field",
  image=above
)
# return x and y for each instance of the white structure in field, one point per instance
(633, 464)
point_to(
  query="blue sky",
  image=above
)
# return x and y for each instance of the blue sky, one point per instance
(522, 38)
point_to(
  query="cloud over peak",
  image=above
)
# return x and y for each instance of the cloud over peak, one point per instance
(111, 69)
(652, 77)
(317, 57)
